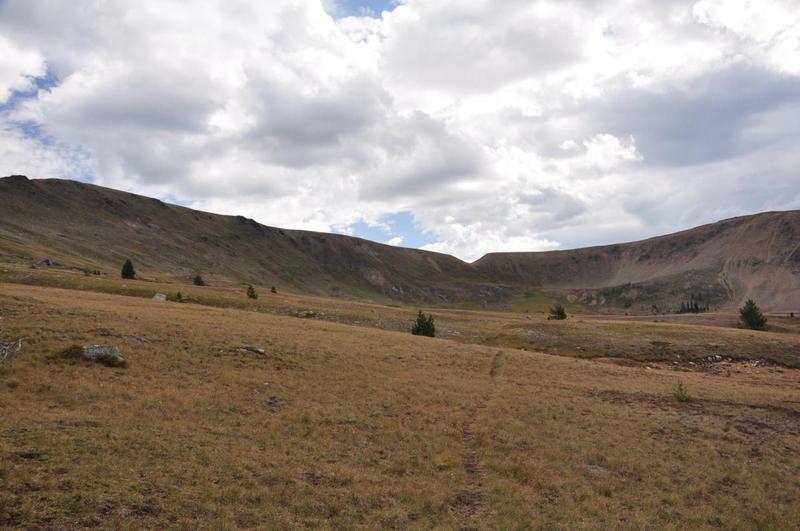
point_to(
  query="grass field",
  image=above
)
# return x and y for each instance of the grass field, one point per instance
(348, 421)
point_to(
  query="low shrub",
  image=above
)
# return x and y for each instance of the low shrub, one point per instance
(557, 313)
(423, 325)
(682, 393)
(251, 292)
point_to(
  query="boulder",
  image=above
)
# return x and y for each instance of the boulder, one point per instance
(108, 355)
(159, 297)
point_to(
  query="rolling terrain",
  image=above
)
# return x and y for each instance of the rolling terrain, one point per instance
(298, 409)
(86, 226)
(335, 422)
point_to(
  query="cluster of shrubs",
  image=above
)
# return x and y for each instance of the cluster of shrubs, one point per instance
(692, 306)
(129, 273)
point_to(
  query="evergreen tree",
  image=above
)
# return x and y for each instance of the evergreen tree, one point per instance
(751, 317)
(557, 313)
(127, 270)
(273, 290)
(423, 326)
(198, 281)
(251, 292)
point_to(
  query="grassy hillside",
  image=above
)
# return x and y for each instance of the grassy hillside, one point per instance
(84, 226)
(348, 426)
(98, 228)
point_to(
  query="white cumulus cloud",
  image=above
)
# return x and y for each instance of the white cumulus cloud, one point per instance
(512, 125)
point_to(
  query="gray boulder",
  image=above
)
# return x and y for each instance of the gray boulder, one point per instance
(108, 355)
(160, 297)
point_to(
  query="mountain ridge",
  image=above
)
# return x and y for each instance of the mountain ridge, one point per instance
(755, 255)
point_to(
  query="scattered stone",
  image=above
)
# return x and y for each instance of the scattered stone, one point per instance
(274, 403)
(255, 350)
(9, 349)
(160, 297)
(108, 355)
(596, 469)
(44, 263)
(304, 314)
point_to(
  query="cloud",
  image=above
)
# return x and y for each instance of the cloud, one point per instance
(18, 68)
(492, 126)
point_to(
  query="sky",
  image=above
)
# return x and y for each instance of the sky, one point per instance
(460, 126)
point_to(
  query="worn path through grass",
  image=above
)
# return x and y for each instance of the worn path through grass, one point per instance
(471, 502)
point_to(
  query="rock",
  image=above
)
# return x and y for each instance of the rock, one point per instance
(305, 314)
(596, 469)
(108, 355)
(160, 297)
(255, 350)
(44, 263)
(9, 349)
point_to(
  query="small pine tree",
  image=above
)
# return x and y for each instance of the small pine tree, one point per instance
(557, 313)
(273, 290)
(682, 393)
(423, 325)
(127, 270)
(198, 281)
(251, 292)
(751, 317)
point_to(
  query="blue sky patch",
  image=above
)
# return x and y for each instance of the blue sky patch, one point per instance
(371, 8)
(400, 224)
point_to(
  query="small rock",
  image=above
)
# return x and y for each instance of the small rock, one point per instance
(44, 263)
(596, 469)
(108, 355)
(255, 350)
(305, 314)
(160, 297)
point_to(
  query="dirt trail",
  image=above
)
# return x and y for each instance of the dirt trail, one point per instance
(471, 501)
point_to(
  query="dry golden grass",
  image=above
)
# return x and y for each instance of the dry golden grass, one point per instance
(342, 426)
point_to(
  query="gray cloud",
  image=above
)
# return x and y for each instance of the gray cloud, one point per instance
(500, 125)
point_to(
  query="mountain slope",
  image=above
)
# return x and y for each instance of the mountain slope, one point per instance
(90, 226)
(72, 221)
(751, 256)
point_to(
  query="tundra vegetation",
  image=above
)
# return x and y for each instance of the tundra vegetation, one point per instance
(423, 325)
(127, 270)
(751, 317)
(557, 313)
(232, 413)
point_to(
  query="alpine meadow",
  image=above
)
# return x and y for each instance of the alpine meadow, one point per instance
(400, 264)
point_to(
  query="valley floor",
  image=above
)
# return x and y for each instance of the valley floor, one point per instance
(343, 426)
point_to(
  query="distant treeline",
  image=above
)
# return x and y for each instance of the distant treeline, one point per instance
(693, 305)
